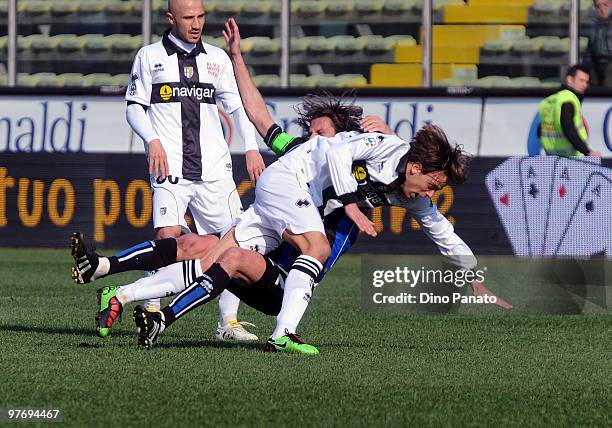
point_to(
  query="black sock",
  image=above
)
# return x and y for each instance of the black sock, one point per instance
(149, 255)
(265, 294)
(204, 289)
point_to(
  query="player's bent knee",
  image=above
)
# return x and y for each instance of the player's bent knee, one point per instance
(192, 246)
(231, 259)
(319, 249)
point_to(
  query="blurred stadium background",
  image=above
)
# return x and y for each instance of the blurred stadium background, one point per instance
(68, 161)
(478, 68)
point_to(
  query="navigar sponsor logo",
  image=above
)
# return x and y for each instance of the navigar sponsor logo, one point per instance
(166, 92)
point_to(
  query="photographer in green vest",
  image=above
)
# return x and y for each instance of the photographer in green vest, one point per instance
(562, 131)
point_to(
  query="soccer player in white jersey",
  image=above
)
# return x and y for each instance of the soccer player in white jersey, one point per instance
(171, 99)
(316, 176)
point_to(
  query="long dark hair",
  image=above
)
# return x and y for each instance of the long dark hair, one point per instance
(342, 111)
(430, 148)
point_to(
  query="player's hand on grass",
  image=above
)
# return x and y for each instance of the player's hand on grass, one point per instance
(232, 36)
(158, 161)
(362, 221)
(373, 123)
(255, 165)
(480, 290)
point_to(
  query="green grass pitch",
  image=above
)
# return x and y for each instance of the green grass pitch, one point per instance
(417, 370)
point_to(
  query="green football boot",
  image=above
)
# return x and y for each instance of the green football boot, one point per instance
(292, 343)
(110, 309)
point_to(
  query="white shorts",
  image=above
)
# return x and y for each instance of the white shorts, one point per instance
(282, 202)
(213, 204)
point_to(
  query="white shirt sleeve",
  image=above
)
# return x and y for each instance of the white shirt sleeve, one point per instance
(245, 128)
(141, 83)
(139, 120)
(441, 232)
(226, 88)
(340, 158)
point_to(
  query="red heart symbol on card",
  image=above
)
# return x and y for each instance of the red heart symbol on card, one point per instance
(562, 191)
(505, 199)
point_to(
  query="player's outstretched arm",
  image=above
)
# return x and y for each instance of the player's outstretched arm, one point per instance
(251, 97)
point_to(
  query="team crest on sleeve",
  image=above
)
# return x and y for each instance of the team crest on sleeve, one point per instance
(371, 142)
(133, 81)
(188, 72)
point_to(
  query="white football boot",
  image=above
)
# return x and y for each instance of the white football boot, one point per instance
(234, 330)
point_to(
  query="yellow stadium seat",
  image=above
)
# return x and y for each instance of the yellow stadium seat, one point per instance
(470, 35)
(450, 54)
(309, 8)
(215, 41)
(347, 44)
(125, 42)
(494, 81)
(488, 13)
(97, 43)
(506, 2)
(229, 7)
(92, 7)
(40, 43)
(266, 80)
(46, 79)
(368, 7)
(64, 7)
(378, 44)
(555, 47)
(303, 81)
(410, 75)
(119, 7)
(266, 46)
(24, 79)
(299, 45)
(351, 81)
(257, 8)
(546, 7)
(33, 7)
(247, 45)
(98, 79)
(497, 47)
(71, 79)
(398, 7)
(340, 8)
(120, 79)
(68, 43)
(525, 82)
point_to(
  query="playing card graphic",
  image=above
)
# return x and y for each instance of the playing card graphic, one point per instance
(589, 231)
(504, 187)
(535, 177)
(570, 177)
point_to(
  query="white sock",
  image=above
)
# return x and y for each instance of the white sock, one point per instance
(154, 304)
(298, 291)
(103, 267)
(167, 281)
(228, 307)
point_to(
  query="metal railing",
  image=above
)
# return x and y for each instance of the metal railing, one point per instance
(285, 25)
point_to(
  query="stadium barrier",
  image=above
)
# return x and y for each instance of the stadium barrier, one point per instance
(44, 197)
(486, 122)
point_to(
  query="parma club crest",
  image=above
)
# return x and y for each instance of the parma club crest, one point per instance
(188, 72)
